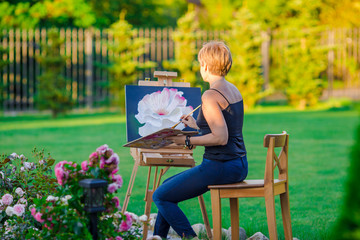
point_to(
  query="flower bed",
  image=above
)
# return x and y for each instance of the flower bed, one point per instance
(35, 205)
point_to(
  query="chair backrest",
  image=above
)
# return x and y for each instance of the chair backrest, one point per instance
(272, 141)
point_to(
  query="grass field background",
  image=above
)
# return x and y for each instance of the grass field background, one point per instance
(320, 142)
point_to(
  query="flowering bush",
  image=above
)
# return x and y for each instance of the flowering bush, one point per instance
(21, 182)
(62, 214)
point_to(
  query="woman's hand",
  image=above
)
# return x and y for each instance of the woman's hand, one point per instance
(178, 140)
(189, 121)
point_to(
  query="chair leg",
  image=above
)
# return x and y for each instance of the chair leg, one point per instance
(271, 218)
(234, 213)
(216, 212)
(285, 210)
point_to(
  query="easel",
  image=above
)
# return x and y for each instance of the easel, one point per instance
(173, 156)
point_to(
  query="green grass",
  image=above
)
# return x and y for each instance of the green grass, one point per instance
(320, 142)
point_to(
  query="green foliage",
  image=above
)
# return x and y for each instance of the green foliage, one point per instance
(25, 181)
(53, 93)
(144, 13)
(62, 214)
(218, 14)
(244, 40)
(46, 13)
(298, 72)
(348, 226)
(185, 38)
(126, 48)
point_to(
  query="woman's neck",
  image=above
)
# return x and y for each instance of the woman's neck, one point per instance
(214, 80)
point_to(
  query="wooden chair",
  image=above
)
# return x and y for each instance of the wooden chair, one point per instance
(267, 188)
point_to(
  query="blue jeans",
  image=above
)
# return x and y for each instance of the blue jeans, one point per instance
(189, 184)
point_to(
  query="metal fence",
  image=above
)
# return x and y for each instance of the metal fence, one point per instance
(88, 51)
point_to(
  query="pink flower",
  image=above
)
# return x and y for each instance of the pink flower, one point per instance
(126, 225)
(118, 179)
(61, 173)
(19, 192)
(38, 217)
(118, 238)
(113, 159)
(102, 149)
(116, 201)
(22, 201)
(19, 209)
(112, 187)
(7, 199)
(102, 162)
(93, 158)
(33, 212)
(84, 166)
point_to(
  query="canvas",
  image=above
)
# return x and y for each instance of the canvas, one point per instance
(151, 108)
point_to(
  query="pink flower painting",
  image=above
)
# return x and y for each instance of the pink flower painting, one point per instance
(161, 109)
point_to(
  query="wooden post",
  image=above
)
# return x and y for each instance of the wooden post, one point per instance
(88, 67)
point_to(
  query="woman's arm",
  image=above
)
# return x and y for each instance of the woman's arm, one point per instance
(215, 119)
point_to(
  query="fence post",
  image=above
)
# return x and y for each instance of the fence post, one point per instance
(88, 67)
(265, 56)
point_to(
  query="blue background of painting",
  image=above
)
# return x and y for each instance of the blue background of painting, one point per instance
(133, 95)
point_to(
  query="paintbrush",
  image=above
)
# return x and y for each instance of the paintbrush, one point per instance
(186, 116)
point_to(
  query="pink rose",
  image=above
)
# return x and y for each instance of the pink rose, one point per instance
(116, 201)
(19, 209)
(126, 225)
(112, 187)
(102, 149)
(118, 238)
(38, 217)
(118, 179)
(7, 199)
(61, 173)
(113, 159)
(93, 158)
(84, 166)
(102, 162)
(33, 212)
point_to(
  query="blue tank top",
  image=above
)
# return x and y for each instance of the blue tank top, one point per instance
(234, 118)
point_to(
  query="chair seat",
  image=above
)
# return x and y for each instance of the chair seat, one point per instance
(245, 184)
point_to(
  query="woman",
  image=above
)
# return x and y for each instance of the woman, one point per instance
(220, 122)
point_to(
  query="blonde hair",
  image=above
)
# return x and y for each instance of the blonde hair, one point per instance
(217, 56)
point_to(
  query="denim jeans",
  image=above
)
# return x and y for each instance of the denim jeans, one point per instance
(189, 184)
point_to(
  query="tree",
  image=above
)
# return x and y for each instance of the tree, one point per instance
(126, 48)
(47, 13)
(185, 38)
(52, 92)
(244, 40)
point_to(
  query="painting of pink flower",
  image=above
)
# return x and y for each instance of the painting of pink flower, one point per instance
(161, 109)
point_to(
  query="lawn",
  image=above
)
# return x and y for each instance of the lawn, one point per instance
(320, 142)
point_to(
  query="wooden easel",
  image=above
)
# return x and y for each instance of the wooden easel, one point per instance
(172, 156)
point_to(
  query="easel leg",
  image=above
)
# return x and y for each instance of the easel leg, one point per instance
(205, 217)
(130, 186)
(147, 212)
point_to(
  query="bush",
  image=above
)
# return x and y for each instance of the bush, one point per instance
(52, 87)
(21, 183)
(62, 214)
